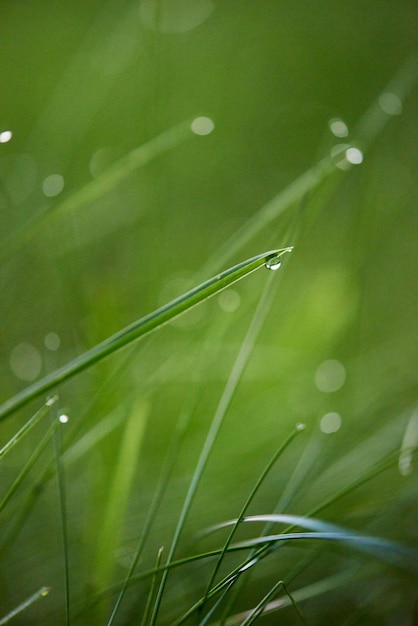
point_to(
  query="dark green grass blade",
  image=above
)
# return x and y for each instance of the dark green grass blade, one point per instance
(259, 609)
(140, 328)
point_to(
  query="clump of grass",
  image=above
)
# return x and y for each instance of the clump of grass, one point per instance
(137, 591)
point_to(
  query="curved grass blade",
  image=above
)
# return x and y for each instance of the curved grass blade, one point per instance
(391, 552)
(100, 186)
(250, 498)
(140, 328)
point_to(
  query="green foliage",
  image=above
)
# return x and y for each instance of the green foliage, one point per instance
(251, 458)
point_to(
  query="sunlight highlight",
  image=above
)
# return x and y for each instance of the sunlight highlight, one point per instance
(25, 362)
(354, 156)
(52, 341)
(338, 127)
(202, 126)
(330, 423)
(330, 376)
(5, 136)
(390, 103)
(53, 185)
(229, 300)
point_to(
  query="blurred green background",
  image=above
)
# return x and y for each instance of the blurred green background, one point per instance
(82, 85)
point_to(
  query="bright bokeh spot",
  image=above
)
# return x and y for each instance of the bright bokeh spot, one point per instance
(52, 341)
(330, 376)
(338, 128)
(25, 362)
(63, 419)
(53, 185)
(330, 423)
(5, 136)
(390, 103)
(229, 300)
(202, 126)
(354, 156)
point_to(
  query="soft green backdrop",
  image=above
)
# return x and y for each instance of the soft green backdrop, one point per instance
(82, 85)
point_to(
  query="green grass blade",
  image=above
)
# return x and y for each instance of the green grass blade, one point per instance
(140, 328)
(62, 500)
(41, 593)
(144, 620)
(119, 490)
(26, 428)
(259, 609)
(250, 498)
(29, 463)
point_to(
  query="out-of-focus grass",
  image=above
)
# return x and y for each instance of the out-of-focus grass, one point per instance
(82, 87)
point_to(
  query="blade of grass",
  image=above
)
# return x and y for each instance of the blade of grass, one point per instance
(62, 498)
(151, 591)
(26, 428)
(152, 512)
(259, 609)
(119, 493)
(305, 593)
(224, 403)
(250, 498)
(41, 593)
(29, 463)
(140, 328)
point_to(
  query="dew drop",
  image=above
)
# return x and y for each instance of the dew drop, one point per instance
(63, 419)
(300, 426)
(274, 263)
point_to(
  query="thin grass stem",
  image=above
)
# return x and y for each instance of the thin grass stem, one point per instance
(27, 427)
(62, 499)
(250, 498)
(41, 593)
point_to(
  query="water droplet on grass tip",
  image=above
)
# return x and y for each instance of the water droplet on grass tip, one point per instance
(63, 419)
(274, 263)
